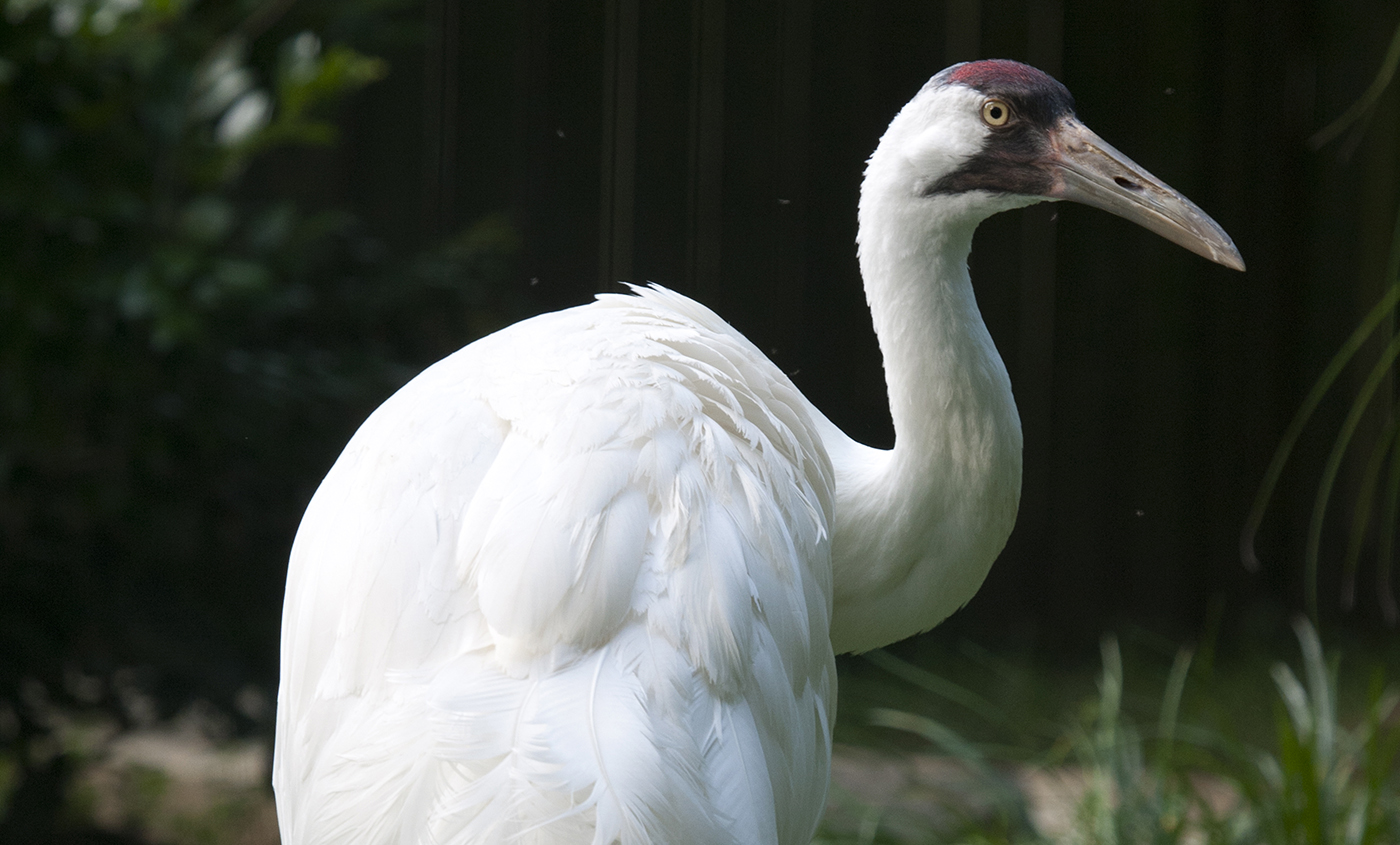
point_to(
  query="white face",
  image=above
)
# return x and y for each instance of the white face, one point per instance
(937, 137)
(938, 132)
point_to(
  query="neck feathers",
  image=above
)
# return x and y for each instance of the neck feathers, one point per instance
(918, 527)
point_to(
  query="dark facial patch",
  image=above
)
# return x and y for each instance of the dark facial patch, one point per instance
(1015, 157)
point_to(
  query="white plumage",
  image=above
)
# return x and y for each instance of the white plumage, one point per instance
(582, 581)
(578, 571)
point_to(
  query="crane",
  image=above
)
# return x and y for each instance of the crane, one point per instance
(582, 581)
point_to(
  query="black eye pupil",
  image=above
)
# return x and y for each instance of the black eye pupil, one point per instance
(996, 113)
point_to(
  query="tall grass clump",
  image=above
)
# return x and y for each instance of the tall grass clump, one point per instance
(1170, 780)
(1127, 798)
(1324, 783)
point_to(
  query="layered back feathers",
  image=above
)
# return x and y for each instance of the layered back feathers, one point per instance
(582, 596)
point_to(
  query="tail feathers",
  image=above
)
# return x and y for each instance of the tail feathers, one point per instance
(355, 791)
(594, 744)
(626, 744)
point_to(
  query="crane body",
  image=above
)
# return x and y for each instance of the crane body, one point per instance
(603, 609)
(583, 580)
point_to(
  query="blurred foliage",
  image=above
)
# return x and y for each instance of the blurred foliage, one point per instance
(1326, 779)
(1324, 782)
(180, 360)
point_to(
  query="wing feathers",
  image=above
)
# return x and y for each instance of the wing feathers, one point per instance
(570, 584)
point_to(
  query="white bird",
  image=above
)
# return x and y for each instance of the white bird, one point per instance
(583, 580)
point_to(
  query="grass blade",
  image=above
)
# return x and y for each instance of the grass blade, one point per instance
(1320, 693)
(1290, 437)
(929, 682)
(1171, 706)
(1295, 699)
(1365, 505)
(1385, 543)
(1368, 98)
(1334, 464)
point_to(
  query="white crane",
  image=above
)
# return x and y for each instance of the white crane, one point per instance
(583, 580)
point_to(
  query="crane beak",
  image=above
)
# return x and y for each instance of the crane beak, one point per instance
(1087, 169)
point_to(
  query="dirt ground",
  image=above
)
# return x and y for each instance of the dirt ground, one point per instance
(174, 785)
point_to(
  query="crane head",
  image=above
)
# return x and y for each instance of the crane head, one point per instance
(1006, 133)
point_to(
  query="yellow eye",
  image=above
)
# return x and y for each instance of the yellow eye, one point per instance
(996, 112)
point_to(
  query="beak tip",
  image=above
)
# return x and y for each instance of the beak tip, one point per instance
(1090, 171)
(1227, 254)
(1231, 259)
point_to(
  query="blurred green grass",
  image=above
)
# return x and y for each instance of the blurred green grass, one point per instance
(1156, 748)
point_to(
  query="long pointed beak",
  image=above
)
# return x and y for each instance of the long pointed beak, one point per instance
(1088, 170)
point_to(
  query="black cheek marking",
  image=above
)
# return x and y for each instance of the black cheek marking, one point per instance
(996, 175)
(1013, 162)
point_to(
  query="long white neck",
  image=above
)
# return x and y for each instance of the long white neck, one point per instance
(917, 527)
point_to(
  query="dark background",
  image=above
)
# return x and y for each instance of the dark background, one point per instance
(173, 392)
(718, 147)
